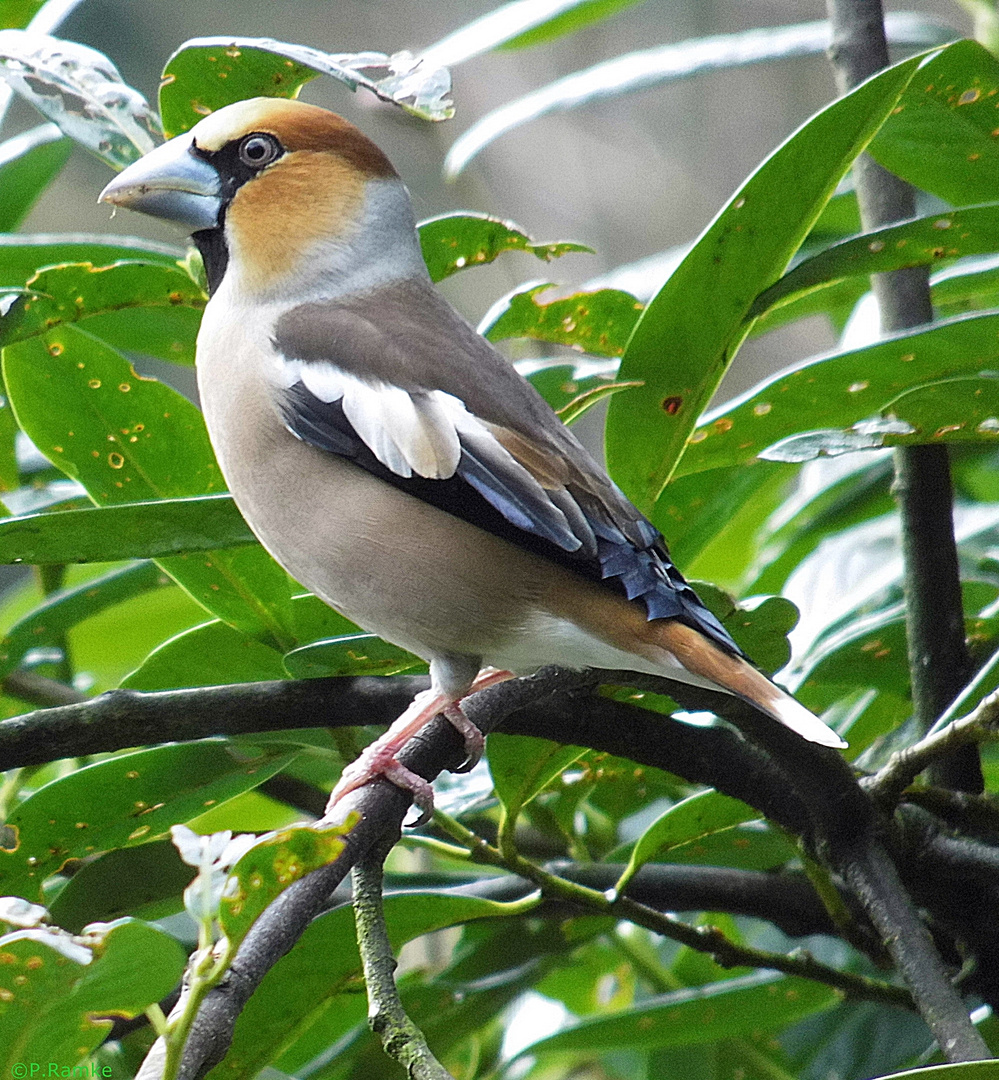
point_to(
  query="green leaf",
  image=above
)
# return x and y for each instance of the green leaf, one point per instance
(735, 1007)
(207, 73)
(454, 242)
(21, 255)
(571, 16)
(972, 230)
(940, 137)
(80, 90)
(353, 654)
(128, 438)
(269, 867)
(140, 530)
(702, 814)
(664, 64)
(48, 623)
(522, 766)
(52, 988)
(562, 384)
(213, 654)
(846, 390)
(711, 519)
(145, 881)
(82, 292)
(759, 627)
(599, 322)
(689, 333)
(582, 403)
(126, 800)
(28, 162)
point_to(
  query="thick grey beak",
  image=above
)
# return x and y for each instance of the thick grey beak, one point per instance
(170, 182)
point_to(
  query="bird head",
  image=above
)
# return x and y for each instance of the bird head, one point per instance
(268, 187)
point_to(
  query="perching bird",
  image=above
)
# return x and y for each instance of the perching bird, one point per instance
(387, 455)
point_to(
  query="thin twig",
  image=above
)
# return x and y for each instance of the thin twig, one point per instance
(400, 1037)
(980, 725)
(705, 939)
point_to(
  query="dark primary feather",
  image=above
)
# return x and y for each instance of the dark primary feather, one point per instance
(577, 517)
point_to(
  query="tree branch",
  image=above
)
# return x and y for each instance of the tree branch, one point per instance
(400, 1037)
(938, 657)
(939, 662)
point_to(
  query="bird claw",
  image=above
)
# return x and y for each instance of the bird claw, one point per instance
(475, 741)
(379, 759)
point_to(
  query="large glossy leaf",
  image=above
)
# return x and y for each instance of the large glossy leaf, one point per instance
(27, 163)
(598, 322)
(47, 624)
(140, 530)
(736, 1007)
(206, 73)
(145, 881)
(971, 230)
(21, 256)
(454, 242)
(52, 987)
(352, 654)
(940, 136)
(125, 800)
(84, 293)
(79, 89)
(700, 815)
(691, 330)
(212, 654)
(807, 409)
(521, 766)
(129, 438)
(668, 63)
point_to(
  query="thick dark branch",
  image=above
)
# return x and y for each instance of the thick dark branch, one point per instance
(939, 662)
(938, 657)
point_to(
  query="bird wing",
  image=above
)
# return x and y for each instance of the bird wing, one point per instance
(398, 382)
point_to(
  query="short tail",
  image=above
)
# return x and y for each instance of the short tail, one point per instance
(703, 657)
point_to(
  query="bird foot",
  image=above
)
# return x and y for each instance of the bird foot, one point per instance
(379, 759)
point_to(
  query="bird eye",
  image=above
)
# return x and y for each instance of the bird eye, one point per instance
(258, 150)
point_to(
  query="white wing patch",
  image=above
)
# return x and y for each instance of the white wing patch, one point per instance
(407, 432)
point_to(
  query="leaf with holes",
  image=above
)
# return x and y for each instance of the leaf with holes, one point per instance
(688, 335)
(156, 306)
(125, 800)
(53, 986)
(848, 401)
(454, 242)
(205, 74)
(79, 89)
(598, 322)
(127, 438)
(941, 137)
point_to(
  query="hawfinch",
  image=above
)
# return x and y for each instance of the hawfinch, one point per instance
(387, 455)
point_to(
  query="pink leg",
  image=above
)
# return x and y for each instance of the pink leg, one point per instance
(379, 759)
